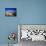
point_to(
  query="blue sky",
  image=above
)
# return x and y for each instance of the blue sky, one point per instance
(10, 9)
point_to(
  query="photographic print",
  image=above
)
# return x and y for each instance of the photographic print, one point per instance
(10, 11)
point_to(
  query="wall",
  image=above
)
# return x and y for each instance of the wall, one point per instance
(28, 12)
(33, 12)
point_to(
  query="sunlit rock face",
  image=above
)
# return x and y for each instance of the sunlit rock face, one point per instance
(10, 12)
